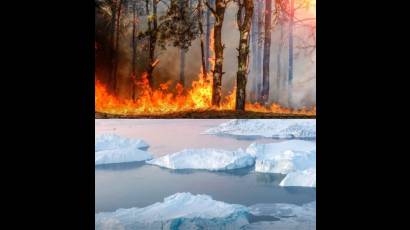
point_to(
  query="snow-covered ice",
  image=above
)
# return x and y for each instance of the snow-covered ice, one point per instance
(283, 157)
(210, 159)
(111, 148)
(305, 178)
(179, 211)
(296, 158)
(274, 128)
(122, 155)
(109, 141)
(188, 211)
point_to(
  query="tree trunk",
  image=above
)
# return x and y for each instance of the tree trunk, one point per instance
(220, 7)
(117, 40)
(254, 50)
(290, 69)
(244, 25)
(266, 52)
(201, 38)
(112, 43)
(259, 53)
(279, 63)
(182, 66)
(134, 52)
(208, 36)
(182, 51)
(152, 28)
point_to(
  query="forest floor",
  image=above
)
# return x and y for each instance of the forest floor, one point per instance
(228, 114)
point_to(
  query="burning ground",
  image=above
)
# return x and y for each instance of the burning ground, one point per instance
(163, 59)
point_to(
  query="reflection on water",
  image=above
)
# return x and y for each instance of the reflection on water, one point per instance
(140, 185)
(253, 218)
(173, 135)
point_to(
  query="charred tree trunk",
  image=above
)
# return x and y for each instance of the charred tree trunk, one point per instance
(152, 28)
(201, 38)
(182, 51)
(112, 43)
(259, 51)
(279, 73)
(279, 63)
(244, 19)
(208, 35)
(182, 66)
(134, 52)
(117, 40)
(254, 50)
(290, 68)
(266, 52)
(219, 13)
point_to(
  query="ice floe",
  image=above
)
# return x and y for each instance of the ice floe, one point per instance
(305, 178)
(283, 157)
(188, 211)
(209, 159)
(291, 217)
(179, 211)
(274, 128)
(109, 141)
(111, 148)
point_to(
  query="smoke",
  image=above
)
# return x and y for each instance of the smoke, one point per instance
(304, 82)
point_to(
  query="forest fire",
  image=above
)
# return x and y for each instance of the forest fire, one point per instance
(261, 77)
(165, 100)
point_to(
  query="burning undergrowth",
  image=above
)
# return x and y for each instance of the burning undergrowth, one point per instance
(179, 102)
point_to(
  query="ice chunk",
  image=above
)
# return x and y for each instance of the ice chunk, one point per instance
(114, 141)
(283, 157)
(292, 217)
(121, 155)
(210, 159)
(179, 211)
(111, 148)
(305, 178)
(275, 128)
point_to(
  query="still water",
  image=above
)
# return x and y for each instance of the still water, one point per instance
(138, 184)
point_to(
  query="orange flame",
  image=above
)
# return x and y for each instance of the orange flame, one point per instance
(165, 100)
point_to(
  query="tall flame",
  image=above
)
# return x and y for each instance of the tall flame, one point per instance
(165, 100)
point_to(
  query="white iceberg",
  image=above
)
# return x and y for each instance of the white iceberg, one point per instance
(111, 148)
(122, 155)
(209, 159)
(274, 128)
(291, 217)
(305, 178)
(283, 157)
(179, 211)
(113, 141)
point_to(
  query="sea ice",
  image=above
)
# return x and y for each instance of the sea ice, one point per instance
(291, 217)
(111, 148)
(283, 157)
(305, 178)
(113, 141)
(178, 211)
(274, 128)
(210, 159)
